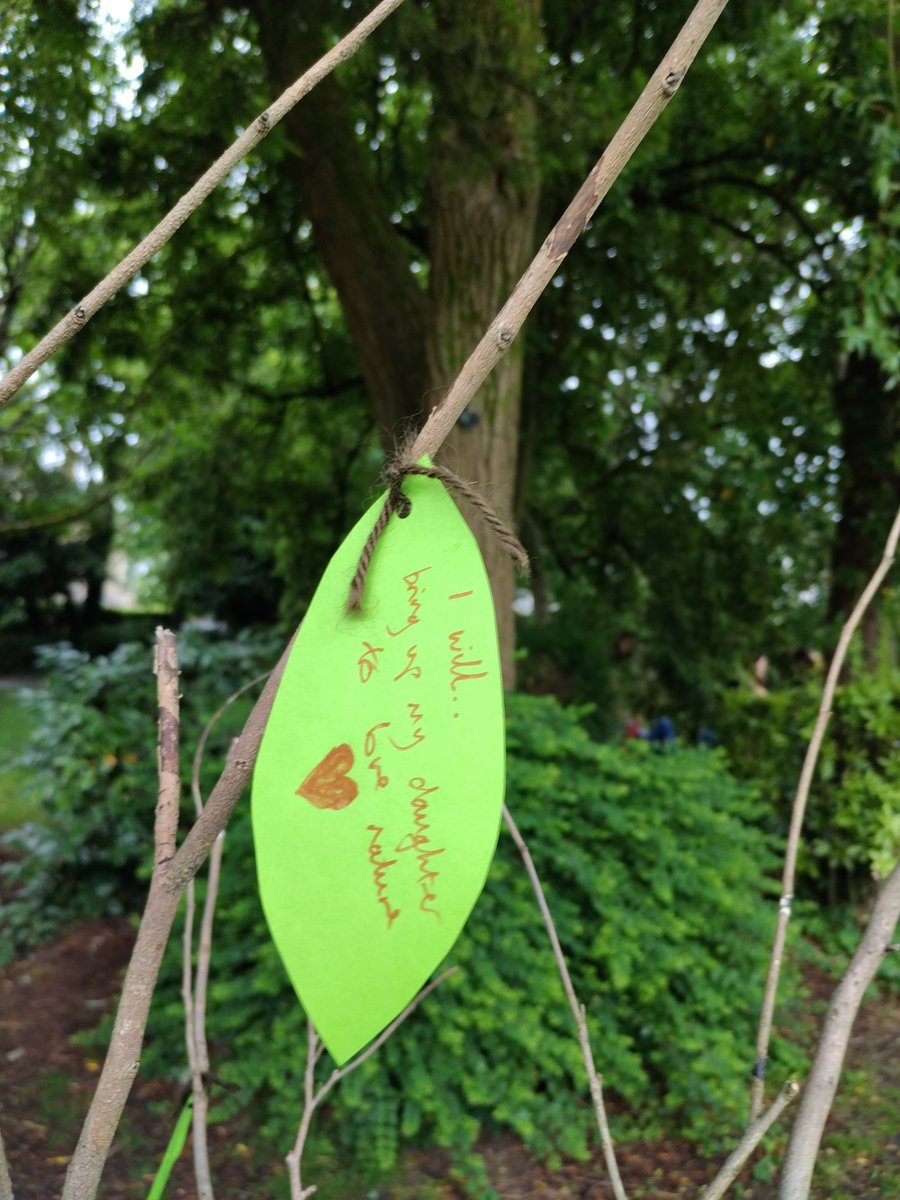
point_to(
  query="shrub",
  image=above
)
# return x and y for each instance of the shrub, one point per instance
(852, 824)
(655, 872)
(92, 769)
(654, 867)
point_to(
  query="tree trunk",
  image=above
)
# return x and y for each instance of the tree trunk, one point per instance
(483, 192)
(367, 260)
(483, 187)
(869, 489)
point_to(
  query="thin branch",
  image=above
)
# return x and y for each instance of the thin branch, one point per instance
(312, 1098)
(207, 730)
(169, 802)
(197, 1017)
(753, 1135)
(195, 987)
(803, 1147)
(48, 520)
(501, 333)
(294, 1159)
(799, 809)
(198, 1086)
(594, 1080)
(78, 317)
(775, 250)
(6, 1191)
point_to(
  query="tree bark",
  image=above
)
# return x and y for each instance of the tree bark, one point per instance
(869, 415)
(806, 1135)
(483, 187)
(483, 190)
(366, 259)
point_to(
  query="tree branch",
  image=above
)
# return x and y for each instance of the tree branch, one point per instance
(502, 331)
(763, 189)
(166, 885)
(28, 524)
(79, 316)
(194, 985)
(594, 1080)
(775, 250)
(314, 1098)
(803, 1147)
(6, 1191)
(799, 809)
(753, 1135)
(169, 801)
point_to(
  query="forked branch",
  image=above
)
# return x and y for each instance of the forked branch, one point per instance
(313, 1097)
(799, 810)
(753, 1135)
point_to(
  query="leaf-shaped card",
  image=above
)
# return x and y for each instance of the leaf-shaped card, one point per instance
(379, 782)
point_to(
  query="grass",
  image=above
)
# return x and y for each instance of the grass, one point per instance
(16, 725)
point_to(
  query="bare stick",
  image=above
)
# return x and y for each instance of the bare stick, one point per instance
(803, 1146)
(6, 1191)
(121, 1065)
(793, 843)
(314, 1098)
(78, 317)
(194, 989)
(202, 1172)
(207, 730)
(169, 801)
(753, 1135)
(197, 1017)
(293, 1160)
(594, 1080)
(501, 333)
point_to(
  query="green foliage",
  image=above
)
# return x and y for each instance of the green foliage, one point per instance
(655, 873)
(679, 423)
(852, 824)
(91, 772)
(654, 869)
(15, 728)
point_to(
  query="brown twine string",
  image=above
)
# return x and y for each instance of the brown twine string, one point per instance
(398, 502)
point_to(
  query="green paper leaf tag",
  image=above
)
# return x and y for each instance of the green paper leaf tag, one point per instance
(379, 782)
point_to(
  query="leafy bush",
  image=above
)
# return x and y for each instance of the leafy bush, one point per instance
(654, 867)
(92, 769)
(655, 873)
(852, 825)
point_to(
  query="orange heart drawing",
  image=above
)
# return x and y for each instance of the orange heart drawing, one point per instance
(329, 785)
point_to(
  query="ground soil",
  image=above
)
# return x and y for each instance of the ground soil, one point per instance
(47, 1081)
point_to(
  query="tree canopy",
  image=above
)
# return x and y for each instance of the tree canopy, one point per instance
(696, 433)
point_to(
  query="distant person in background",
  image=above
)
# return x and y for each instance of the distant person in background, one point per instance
(806, 659)
(759, 682)
(662, 732)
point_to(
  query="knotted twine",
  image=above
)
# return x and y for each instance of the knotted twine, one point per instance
(398, 502)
